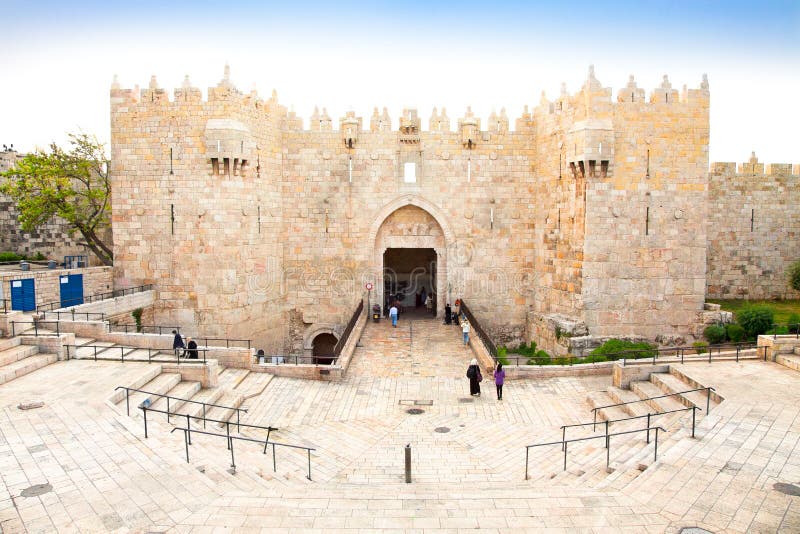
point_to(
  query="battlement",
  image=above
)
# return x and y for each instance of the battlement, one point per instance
(753, 167)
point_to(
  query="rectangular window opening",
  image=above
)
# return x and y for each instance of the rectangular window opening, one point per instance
(227, 164)
(215, 166)
(592, 167)
(604, 168)
(243, 168)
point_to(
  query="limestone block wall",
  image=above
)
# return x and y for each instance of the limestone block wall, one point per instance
(47, 285)
(753, 230)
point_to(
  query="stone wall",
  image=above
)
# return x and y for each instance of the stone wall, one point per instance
(251, 226)
(96, 280)
(753, 230)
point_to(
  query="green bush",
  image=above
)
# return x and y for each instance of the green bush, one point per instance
(595, 358)
(39, 257)
(794, 323)
(700, 346)
(778, 331)
(137, 317)
(755, 320)
(10, 256)
(735, 332)
(525, 350)
(502, 351)
(794, 275)
(561, 360)
(614, 349)
(715, 334)
(540, 358)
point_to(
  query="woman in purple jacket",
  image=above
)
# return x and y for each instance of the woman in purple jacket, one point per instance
(499, 378)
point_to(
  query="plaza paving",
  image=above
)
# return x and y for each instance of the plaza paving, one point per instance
(468, 453)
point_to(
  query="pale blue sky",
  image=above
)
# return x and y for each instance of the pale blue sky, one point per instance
(57, 59)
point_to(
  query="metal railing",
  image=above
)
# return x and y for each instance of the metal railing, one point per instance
(791, 329)
(6, 305)
(49, 306)
(647, 416)
(111, 349)
(168, 397)
(606, 437)
(299, 360)
(337, 350)
(153, 328)
(708, 391)
(187, 438)
(228, 342)
(667, 354)
(35, 325)
(476, 327)
(72, 315)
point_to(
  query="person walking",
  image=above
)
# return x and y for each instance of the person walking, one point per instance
(465, 331)
(393, 315)
(447, 313)
(429, 304)
(191, 349)
(177, 343)
(499, 378)
(475, 378)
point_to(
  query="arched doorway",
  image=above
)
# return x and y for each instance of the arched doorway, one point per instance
(322, 350)
(411, 241)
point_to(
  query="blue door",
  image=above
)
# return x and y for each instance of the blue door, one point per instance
(23, 295)
(71, 289)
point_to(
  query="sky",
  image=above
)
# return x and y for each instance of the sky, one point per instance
(58, 59)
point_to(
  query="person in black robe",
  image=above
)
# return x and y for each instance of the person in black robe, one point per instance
(447, 313)
(474, 375)
(177, 343)
(191, 349)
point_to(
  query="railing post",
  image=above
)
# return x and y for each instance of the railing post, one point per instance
(682, 353)
(167, 409)
(694, 411)
(73, 315)
(233, 460)
(708, 399)
(186, 443)
(228, 432)
(565, 456)
(309, 462)
(594, 419)
(607, 436)
(608, 451)
(655, 457)
(127, 402)
(407, 451)
(648, 428)
(238, 427)
(95, 352)
(204, 416)
(563, 436)
(527, 449)
(274, 464)
(188, 428)
(710, 350)
(737, 353)
(144, 410)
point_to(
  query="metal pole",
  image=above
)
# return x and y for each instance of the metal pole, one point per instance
(737, 353)
(186, 443)
(648, 428)
(607, 437)
(563, 436)
(309, 463)
(145, 422)
(526, 462)
(228, 432)
(655, 457)
(127, 402)
(708, 399)
(694, 411)
(233, 460)
(189, 428)
(594, 419)
(274, 465)
(168, 409)
(608, 451)
(682, 353)
(238, 428)
(408, 463)
(565, 456)
(204, 416)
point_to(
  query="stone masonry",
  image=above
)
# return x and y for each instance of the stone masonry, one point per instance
(250, 225)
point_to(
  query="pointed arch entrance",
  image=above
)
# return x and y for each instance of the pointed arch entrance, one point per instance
(411, 239)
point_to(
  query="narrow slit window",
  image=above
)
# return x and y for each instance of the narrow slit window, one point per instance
(227, 163)
(215, 166)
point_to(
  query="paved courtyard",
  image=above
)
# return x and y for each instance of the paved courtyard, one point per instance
(79, 464)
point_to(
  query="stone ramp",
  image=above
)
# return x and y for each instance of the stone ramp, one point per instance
(416, 348)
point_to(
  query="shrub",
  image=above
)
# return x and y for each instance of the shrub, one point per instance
(794, 323)
(137, 316)
(715, 334)
(614, 349)
(561, 360)
(794, 275)
(735, 332)
(594, 358)
(501, 355)
(39, 257)
(755, 320)
(700, 346)
(540, 358)
(778, 331)
(525, 350)
(10, 256)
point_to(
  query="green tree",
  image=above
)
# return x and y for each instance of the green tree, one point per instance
(794, 275)
(71, 184)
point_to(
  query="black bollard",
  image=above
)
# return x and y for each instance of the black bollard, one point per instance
(408, 463)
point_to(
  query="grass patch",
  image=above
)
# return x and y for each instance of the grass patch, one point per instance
(783, 308)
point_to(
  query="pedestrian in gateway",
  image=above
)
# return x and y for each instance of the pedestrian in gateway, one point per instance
(393, 315)
(499, 378)
(475, 378)
(465, 331)
(177, 343)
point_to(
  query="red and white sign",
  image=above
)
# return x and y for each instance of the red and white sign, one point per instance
(369, 286)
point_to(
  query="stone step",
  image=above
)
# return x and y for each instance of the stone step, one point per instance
(230, 377)
(225, 411)
(669, 383)
(89, 351)
(157, 386)
(25, 366)
(207, 395)
(683, 375)
(624, 395)
(17, 353)
(602, 398)
(646, 390)
(253, 384)
(181, 392)
(792, 361)
(9, 343)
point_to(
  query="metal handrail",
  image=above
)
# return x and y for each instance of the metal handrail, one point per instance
(226, 340)
(298, 360)
(337, 349)
(608, 422)
(99, 296)
(789, 327)
(205, 404)
(708, 391)
(187, 438)
(35, 325)
(203, 418)
(161, 328)
(72, 313)
(487, 341)
(150, 352)
(606, 437)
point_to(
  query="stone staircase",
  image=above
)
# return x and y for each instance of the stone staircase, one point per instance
(18, 360)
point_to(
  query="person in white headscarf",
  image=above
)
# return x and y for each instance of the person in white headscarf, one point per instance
(475, 377)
